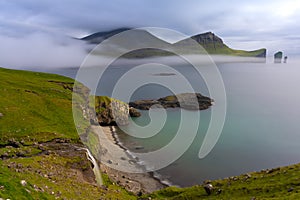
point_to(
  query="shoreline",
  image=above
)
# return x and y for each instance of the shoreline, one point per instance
(122, 167)
(165, 183)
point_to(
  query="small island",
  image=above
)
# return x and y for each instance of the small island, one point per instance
(188, 101)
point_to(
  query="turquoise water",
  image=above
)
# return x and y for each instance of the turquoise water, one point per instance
(262, 127)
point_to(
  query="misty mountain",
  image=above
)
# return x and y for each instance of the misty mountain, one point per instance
(211, 43)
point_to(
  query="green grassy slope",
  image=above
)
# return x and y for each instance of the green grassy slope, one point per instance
(278, 183)
(211, 43)
(35, 106)
(39, 142)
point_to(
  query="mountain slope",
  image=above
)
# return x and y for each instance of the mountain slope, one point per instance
(98, 37)
(209, 41)
(215, 45)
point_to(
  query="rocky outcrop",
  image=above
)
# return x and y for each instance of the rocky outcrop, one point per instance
(278, 57)
(189, 101)
(207, 39)
(263, 53)
(285, 59)
(111, 111)
(134, 112)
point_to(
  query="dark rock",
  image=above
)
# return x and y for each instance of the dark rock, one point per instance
(247, 176)
(209, 39)
(285, 59)
(189, 101)
(140, 193)
(291, 189)
(208, 188)
(4, 156)
(103, 187)
(12, 142)
(110, 111)
(134, 112)
(219, 191)
(139, 147)
(263, 54)
(278, 57)
(109, 162)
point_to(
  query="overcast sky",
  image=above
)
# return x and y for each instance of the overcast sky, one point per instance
(34, 24)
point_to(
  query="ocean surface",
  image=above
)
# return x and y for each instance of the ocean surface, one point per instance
(261, 130)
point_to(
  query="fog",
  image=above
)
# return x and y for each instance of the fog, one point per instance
(200, 60)
(41, 50)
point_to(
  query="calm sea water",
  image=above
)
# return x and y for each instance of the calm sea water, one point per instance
(262, 127)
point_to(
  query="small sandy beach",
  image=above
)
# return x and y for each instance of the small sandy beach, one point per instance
(121, 167)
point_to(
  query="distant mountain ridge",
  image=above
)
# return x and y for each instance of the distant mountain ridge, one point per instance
(209, 41)
(98, 37)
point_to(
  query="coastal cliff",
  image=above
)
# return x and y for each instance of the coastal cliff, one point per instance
(111, 112)
(215, 45)
(212, 44)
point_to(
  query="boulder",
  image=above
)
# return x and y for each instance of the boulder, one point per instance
(208, 188)
(23, 182)
(134, 112)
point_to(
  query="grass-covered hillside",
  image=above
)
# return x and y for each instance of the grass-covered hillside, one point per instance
(211, 43)
(35, 107)
(41, 156)
(40, 150)
(278, 183)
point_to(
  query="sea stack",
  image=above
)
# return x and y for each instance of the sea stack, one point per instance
(285, 59)
(278, 57)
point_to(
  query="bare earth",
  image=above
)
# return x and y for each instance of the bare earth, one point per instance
(121, 167)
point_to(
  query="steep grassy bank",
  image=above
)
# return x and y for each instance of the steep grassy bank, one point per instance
(278, 183)
(40, 150)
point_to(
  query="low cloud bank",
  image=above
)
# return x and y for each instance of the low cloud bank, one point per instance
(41, 50)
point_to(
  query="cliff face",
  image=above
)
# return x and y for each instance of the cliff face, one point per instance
(110, 111)
(263, 53)
(98, 37)
(209, 39)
